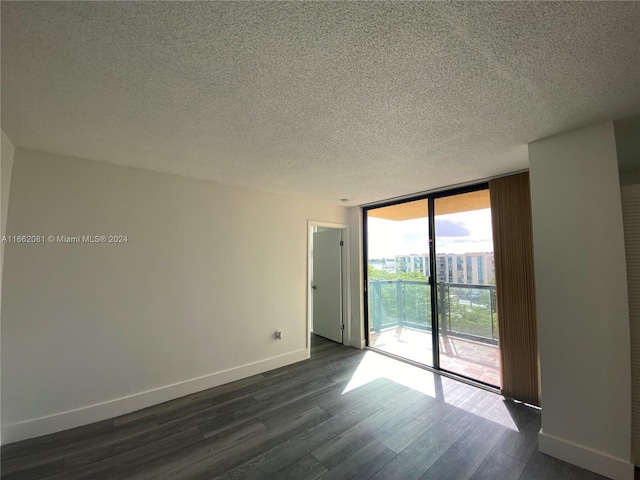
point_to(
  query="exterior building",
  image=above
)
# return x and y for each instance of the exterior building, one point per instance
(413, 263)
(468, 268)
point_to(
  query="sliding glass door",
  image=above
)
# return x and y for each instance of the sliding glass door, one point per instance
(466, 286)
(398, 281)
(431, 295)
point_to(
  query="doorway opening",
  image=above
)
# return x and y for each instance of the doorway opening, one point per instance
(430, 283)
(328, 284)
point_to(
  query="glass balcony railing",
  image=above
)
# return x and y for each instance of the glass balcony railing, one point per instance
(464, 310)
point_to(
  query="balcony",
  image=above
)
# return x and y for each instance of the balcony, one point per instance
(400, 322)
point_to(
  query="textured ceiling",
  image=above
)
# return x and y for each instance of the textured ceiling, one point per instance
(364, 101)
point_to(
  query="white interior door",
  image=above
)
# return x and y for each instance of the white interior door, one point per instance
(327, 284)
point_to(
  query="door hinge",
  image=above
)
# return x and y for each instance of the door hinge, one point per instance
(341, 243)
(342, 327)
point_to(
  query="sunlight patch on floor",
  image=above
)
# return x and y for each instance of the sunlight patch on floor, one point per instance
(479, 403)
(374, 366)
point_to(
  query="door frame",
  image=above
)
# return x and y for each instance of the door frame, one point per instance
(346, 278)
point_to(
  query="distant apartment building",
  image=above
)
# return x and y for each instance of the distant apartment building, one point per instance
(467, 268)
(413, 263)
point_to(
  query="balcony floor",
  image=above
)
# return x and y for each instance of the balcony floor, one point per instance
(475, 360)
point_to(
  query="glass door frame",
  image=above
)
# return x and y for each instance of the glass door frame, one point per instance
(433, 275)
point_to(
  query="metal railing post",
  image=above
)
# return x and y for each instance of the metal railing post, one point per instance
(493, 335)
(377, 322)
(491, 318)
(400, 302)
(443, 311)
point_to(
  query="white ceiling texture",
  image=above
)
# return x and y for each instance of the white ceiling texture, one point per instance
(328, 100)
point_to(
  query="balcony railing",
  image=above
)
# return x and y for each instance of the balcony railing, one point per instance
(465, 310)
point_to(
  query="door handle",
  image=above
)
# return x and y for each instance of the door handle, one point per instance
(314, 287)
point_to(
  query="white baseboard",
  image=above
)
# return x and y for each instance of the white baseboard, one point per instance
(45, 425)
(585, 457)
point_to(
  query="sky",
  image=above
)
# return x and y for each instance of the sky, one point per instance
(455, 233)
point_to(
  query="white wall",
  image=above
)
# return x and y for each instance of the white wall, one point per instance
(193, 299)
(627, 132)
(357, 276)
(6, 166)
(8, 150)
(631, 216)
(581, 292)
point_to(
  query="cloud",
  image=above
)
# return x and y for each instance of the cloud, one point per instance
(412, 238)
(451, 228)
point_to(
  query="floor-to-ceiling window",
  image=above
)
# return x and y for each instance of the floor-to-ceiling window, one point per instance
(398, 271)
(431, 294)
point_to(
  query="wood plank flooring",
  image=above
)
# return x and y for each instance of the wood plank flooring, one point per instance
(342, 414)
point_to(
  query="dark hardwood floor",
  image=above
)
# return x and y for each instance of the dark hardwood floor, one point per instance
(343, 414)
